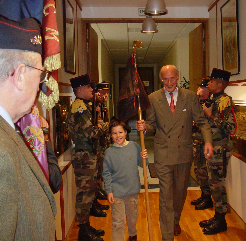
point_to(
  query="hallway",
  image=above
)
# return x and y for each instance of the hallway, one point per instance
(190, 218)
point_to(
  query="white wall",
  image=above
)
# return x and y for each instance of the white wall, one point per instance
(178, 55)
(236, 178)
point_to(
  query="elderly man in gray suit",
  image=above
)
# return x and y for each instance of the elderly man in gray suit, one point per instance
(170, 118)
(27, 204)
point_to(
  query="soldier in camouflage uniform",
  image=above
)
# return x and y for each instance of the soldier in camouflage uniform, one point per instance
(84, 157)
(200, 166)
(222, 121)
(102, 91)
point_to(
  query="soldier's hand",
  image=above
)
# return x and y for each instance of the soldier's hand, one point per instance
(97, 109)
(208, 150)
(111, 197)
(207, 111)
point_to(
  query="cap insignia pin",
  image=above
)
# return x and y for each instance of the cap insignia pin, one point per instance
(36, 40)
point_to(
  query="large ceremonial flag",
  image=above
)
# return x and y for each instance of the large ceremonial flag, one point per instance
(29, 126)
(132, 93)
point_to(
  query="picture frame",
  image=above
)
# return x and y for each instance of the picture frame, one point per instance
(61, 138)
(69, 37)
(230, 37)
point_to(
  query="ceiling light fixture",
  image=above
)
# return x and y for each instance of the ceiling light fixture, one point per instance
(149, 25)
(155, 8)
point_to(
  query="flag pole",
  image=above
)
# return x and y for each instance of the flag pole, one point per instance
(138, 44)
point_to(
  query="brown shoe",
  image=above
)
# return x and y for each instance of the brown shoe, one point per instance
(177, 230)
(133, 238)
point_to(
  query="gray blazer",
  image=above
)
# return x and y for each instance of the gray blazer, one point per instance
(173, 132)
(27, 205)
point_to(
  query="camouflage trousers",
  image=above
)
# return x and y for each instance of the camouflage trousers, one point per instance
(85, 170)
(200, 166)
(100, 159)
(217, 170)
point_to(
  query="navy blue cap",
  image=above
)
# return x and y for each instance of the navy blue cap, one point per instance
(23, 35)
(220, 74)
(103, 86)
(204, 82)
(80, 81)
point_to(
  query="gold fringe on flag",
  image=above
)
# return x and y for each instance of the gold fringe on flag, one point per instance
(52, 62)
(49, 101)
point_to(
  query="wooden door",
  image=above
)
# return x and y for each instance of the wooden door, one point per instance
(92, 57)
(197, 63)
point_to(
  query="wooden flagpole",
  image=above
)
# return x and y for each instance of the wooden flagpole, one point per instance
(138, 44)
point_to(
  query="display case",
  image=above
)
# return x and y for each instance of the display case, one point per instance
(239, 139)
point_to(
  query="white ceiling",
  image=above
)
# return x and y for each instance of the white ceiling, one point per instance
(142, 3)
(118, 37)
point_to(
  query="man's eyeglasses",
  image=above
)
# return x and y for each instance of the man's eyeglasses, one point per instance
(172, 79)
(44, 76)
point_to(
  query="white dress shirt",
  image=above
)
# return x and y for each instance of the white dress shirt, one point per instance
(175, 96)
(6, 116)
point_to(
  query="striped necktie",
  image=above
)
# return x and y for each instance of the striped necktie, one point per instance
(172, 106)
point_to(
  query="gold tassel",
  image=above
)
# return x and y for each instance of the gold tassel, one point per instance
(49, 101)
(52, 63)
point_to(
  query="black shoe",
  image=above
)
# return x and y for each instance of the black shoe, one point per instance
(102, 195)
(132, 238)
(197, 201)
(207, 223)
(218, 225)
(86, 233)
(204, 204)
(96, 212)
(97, 232)
(99, 205)
(200, 199)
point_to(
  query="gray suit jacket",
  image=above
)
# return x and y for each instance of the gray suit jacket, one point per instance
(27, 205)
(173, 133)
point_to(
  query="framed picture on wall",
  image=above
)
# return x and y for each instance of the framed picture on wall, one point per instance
(61, 136)
(230, 37)
(69, 37)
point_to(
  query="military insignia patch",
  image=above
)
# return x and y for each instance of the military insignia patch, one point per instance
(78, 106)
(80, 110)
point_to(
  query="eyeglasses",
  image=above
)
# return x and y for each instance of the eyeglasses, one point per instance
(44, 76)
(172, 79)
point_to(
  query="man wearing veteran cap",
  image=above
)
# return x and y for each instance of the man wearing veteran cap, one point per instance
(221, 118)
(84, 157)
(27, 205)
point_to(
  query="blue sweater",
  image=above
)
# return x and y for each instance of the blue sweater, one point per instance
(120, 170)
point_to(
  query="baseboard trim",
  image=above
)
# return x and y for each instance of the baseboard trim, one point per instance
(239, 220)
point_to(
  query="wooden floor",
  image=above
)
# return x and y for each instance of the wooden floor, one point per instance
(190, 218)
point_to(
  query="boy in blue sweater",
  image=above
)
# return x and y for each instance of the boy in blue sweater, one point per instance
(122, 182)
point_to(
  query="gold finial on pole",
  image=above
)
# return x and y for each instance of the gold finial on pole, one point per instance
(136, 44)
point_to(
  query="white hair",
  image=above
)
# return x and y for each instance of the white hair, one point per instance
(11, 58)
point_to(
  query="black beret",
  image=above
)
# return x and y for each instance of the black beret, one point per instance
(103, 86)
(204, 82)
(80, 81)
(23, 35)
(220, 74)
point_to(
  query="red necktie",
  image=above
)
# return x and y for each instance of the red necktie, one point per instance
(172, 106)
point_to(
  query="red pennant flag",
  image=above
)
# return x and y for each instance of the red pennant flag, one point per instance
(51, 53)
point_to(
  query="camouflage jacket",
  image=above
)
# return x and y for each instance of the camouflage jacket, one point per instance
(197, 135)
(81, 130)
(223, 121)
